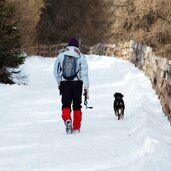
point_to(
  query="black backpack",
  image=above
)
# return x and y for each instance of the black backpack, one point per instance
(69, 68)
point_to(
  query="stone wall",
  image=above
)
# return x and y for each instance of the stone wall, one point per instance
(158, 69)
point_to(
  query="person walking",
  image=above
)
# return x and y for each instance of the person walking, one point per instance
(71, 73)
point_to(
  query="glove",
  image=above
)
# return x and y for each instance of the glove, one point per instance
(86, 92)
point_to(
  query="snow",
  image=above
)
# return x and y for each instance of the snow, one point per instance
(33, 135)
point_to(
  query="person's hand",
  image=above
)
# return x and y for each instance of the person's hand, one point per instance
(86, 92)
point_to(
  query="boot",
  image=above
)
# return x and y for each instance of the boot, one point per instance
(69, 129)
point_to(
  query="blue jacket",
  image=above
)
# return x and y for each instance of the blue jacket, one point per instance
(82, 64)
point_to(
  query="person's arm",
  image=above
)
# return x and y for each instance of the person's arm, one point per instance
(85, 78)
(84, 67)
(57, 70)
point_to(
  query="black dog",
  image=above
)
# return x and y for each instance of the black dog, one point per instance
(119, 105)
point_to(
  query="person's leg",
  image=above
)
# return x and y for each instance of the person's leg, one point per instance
(77, 114)
(66, 106)
(66, 100)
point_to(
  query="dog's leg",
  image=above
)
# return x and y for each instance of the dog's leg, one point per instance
(116, 113)
(119, 115)
(122, 113)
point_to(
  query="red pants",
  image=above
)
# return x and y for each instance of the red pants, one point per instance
(77, 117)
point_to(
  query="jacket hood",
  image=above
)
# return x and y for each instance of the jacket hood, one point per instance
(72, 51)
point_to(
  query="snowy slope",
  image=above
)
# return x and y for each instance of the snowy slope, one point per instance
(32, 134)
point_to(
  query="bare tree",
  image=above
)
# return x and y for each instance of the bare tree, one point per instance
(27, 17)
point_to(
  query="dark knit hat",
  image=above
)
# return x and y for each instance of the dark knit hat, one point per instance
(73, 42)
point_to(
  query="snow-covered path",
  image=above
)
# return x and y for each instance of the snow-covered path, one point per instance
(32, 134)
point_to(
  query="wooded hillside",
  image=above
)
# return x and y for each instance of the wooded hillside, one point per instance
(88, 20)
(98, 21)
(107, 21)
